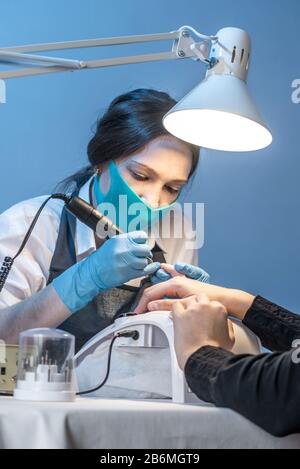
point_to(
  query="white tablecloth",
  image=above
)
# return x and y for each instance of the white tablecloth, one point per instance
(111, 423)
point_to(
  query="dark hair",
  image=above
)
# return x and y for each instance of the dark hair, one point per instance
(131, 121)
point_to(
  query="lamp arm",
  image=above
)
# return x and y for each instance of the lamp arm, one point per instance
(21, 57)
(196, 33)
(184, 46)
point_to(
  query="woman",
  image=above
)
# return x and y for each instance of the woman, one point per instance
(263, 388)
(66, 276)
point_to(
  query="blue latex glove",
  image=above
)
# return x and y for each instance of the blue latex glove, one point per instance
(120, 259)
(190, 271)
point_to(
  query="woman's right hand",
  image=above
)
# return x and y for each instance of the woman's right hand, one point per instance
(154, 298)
(120, 259)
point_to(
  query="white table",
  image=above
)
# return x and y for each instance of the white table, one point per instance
(111, 423)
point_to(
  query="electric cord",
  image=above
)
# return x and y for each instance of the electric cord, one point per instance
(134, 335)
(82, 210)
(8, 261)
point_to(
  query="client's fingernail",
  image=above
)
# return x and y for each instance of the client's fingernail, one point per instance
(152, 306)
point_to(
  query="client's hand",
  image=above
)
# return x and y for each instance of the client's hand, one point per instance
(236, 302)
(199, 322)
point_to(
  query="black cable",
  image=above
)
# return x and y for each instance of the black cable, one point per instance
(134, 335)
(8, 261)
(63, 197)
(82, 210)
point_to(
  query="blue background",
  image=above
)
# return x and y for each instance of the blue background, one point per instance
(252, 227)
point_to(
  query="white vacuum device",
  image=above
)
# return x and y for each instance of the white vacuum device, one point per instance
(155, 334)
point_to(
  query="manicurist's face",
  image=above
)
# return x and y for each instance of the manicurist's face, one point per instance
(157, 173)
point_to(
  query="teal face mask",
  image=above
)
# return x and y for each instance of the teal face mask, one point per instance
(124, 207)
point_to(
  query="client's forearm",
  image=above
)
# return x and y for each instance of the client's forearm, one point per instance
(43, 309)
(239, 303)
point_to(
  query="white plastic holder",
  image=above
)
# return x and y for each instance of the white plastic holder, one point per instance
(156, 330)
(48, 393)
(46, 366)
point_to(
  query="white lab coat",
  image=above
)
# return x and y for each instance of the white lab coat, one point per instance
(30, 271)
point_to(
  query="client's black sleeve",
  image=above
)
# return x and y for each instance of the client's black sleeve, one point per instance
(263, 388)
(276, 327)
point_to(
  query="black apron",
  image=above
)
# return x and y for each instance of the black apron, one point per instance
(105, 307)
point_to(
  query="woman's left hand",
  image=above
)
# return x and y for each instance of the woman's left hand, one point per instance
(199, 322)
(167, 271)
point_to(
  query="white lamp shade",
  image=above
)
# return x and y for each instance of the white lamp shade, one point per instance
(219, 114)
